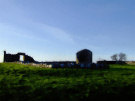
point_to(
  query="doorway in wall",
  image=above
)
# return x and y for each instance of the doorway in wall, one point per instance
(21, 58)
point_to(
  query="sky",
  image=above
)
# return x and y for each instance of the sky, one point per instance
(54, 30)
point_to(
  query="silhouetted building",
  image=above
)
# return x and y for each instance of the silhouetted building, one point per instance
(16, 57)
(84, 57)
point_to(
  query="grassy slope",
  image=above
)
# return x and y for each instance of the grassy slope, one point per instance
(21, 82)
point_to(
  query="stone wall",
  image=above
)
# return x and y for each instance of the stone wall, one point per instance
(16, 57)
(111, 62)
(84, 57)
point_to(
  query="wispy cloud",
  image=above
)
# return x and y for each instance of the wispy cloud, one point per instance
(57, 33)
(38, 32)
(28, 29)
(7, 29)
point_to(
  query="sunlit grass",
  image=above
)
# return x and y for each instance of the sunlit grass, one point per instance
(22, 82)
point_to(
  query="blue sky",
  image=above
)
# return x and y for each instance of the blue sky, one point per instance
(50, 30)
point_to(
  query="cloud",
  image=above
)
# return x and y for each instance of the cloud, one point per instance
(37, 32)
(28, 29)
(56, 33)
(11, 30)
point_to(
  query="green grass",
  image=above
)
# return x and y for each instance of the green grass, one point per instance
(22, 82)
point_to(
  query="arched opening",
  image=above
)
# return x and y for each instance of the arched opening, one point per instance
(21, 58)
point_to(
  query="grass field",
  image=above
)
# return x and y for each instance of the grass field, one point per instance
(22, 82)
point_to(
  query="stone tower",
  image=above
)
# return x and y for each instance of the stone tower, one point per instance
(84, 57)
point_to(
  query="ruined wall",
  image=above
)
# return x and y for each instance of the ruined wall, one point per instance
(28, 59)
(10, 57)
(16, 57)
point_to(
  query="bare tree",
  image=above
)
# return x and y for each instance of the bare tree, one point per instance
(122, 57)
(114, 57)
(119, 57)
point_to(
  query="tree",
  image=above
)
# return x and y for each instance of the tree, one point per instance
(122, 57)
(114, 57)
(119, 57)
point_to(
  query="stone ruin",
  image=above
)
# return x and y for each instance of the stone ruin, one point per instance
(83, 60)
(84, 57)
(16, 58)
